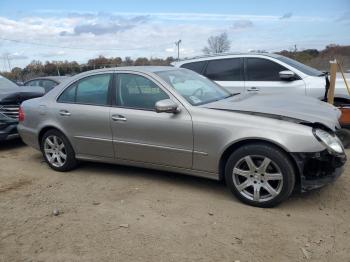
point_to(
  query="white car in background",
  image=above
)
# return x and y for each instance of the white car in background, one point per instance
(264, 73)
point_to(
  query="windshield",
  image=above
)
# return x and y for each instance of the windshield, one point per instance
(6, 84)
(308, 70)
(195, 88)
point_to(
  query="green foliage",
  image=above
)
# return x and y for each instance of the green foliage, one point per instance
(320, 59)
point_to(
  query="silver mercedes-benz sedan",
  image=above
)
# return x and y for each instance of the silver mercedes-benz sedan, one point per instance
(263, 146)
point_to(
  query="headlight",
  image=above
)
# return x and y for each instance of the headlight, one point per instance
(332, 142)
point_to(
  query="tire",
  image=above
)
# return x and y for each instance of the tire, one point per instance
(55, 149)
(260, 175)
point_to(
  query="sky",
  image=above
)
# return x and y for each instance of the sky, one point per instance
(80, 30)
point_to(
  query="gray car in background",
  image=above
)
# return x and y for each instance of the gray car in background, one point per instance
(46, 82)
(173, 119)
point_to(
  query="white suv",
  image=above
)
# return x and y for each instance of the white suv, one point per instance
(264, 73)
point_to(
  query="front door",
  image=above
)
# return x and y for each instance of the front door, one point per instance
(140, 133)
(262, 76)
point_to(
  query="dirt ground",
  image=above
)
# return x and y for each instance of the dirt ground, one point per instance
(115, 213)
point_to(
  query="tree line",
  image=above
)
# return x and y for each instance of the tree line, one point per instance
(37, 68)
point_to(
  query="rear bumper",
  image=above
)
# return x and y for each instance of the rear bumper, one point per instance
(318, 169)
(29, 136)
(8, 129)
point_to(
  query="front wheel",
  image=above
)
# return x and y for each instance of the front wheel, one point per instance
(260, 175)
(57, 151)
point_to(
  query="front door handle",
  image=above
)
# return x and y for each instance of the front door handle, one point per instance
(253, 89)
(119, 118)
(64, 113)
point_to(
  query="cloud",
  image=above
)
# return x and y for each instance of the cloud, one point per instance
(105, 23)
(81, 15)
(101, 29)
(83, 35)
(53, 54)
(345, 17)
(242, 24)
(14, 56)
(286, 15)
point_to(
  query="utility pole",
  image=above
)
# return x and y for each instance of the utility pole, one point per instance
(177, 43)
(58, 70)
(8, 61)
(4, 60)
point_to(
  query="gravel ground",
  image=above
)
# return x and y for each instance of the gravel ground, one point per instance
(115, 213)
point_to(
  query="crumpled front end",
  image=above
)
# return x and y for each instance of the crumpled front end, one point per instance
(318, 169)
(8, 128)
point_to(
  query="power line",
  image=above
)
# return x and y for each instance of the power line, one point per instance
(79, 48)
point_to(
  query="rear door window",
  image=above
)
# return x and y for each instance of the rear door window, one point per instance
(91, 90)
(224, 70)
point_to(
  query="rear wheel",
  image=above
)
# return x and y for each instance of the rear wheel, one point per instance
(260, 175)
(57, 151)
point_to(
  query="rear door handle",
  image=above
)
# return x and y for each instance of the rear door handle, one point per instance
(64, 113)
(119, 118)
(253, 89)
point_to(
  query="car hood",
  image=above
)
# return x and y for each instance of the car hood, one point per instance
(19, 94)
(289, 108)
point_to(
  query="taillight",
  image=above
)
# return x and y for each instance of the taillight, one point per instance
(20, 114)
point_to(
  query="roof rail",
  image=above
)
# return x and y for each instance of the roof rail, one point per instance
(223, 54)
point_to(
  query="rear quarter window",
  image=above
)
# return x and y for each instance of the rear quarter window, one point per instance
(68, 95)
(195, 66)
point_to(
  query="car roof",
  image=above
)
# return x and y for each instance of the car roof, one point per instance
(58, 79)
(137, 69)
(145, 69)
(140, 69)
(222, 56)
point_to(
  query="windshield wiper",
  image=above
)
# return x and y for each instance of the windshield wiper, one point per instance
(323, 74)
(217, 99)
(231, 95)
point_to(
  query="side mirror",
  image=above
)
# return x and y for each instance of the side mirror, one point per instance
(167, 106)
(287, 75)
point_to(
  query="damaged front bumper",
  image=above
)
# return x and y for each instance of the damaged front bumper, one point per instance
(8, 128)
(318, 169)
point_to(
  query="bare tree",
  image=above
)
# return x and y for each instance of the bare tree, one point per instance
(217, 44)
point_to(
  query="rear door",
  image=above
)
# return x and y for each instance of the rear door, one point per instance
(227, 72)
(262, 76)
(83, 113)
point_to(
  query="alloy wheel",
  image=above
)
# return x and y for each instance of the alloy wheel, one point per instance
(55, 151)
(257, 178)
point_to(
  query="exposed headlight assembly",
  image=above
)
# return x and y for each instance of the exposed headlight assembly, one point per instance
(330, 141)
